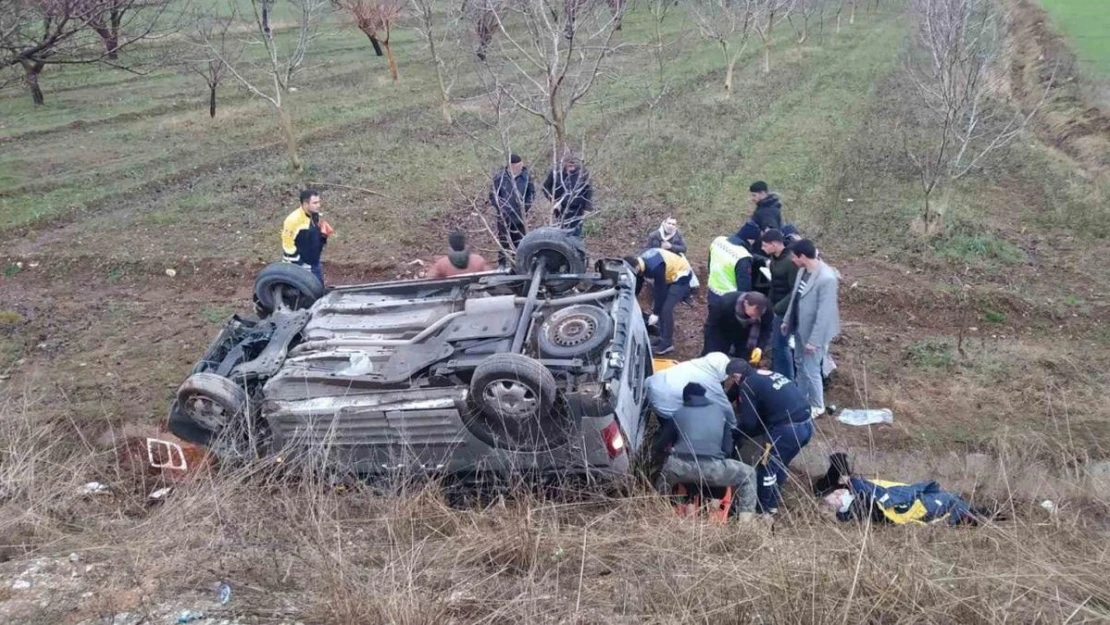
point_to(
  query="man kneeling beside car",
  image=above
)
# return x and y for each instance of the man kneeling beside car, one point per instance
(699, 436)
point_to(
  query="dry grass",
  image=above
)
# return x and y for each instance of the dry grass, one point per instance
(295, 548)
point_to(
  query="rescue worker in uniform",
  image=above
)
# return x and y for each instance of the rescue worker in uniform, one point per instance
(699, 437)
(772, 406)
(730, 267)
(670, 275)
(733, 324)
(304, 234)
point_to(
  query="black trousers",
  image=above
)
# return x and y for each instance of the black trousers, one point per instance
(509, 234)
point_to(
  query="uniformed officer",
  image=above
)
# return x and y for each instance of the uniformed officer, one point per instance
(770, 405)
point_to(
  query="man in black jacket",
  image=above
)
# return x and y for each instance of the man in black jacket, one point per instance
(511, 196)
(768, 208)
(571, 194)
(700, 441)
(783, 274)
(733, 323)
(770, 405)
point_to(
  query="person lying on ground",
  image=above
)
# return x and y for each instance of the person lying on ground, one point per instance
(732, 326)
(769, 405)
(697, 445)
(670, 275)
(851, 497)
(458, 261)
(668, 237)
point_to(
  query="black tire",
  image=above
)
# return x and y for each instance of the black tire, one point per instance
(301, 288)
(561, 252)
(211, 401)
(514, 405)
(575, 332)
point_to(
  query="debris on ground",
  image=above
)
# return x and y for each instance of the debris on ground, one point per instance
(224, 594)
(94, 488)
(866, 416)
(159, 494)
(188, 616)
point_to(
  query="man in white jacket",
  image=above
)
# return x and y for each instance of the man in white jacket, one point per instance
(665, 387)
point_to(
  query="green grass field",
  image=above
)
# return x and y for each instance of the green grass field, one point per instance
(1086, 26)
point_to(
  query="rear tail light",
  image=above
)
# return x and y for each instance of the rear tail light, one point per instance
(614, 440)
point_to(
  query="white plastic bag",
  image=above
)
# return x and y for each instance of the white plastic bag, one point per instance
(860, 416)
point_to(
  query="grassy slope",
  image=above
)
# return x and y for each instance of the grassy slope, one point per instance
(109, 336)
(1085, 24)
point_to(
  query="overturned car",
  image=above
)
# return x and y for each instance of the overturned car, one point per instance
(536, 370)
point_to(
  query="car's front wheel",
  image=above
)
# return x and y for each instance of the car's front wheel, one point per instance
(515, 404)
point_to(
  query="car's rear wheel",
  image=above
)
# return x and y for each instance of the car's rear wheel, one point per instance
(284, 286)
(211, 401)
(558, 251)
(575, 332)
(514, 404)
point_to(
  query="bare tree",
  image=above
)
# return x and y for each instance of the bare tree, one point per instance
(766, 15)
(807, 11)
(279, 65)
(438, 27)
(551, 56)
(953, 68)
(111, 20)
(658, 10)
(37, 33)
(213, 48)
(729, 23)
(376, 18)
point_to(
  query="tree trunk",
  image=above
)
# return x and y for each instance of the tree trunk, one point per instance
(805, 32)
(767, 57)
(290, 138)
(444, 95)
(377, 45)
(445, 107)
(852, 15)
(730, 64)
(111, 44)
(392, 59)
(31, 73)
(110, 39)
(559, 125)
(212, 101)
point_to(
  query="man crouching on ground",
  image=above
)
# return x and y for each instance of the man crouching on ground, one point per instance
(700, 440)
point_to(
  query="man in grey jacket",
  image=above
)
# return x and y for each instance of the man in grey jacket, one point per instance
(699, 436)
(813, 318)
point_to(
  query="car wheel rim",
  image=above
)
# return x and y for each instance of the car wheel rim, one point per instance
(511, 398)
(207, 412)
(573, 330)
